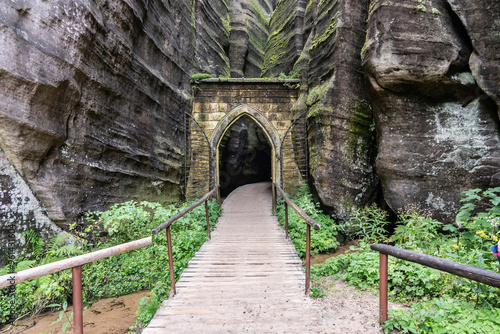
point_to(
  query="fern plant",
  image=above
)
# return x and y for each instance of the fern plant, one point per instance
(59, 248)
(35, 242)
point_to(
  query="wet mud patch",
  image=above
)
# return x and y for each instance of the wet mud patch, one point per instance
(106, 316)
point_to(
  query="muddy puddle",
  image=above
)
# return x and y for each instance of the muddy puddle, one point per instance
(320, 258)
(106, 316)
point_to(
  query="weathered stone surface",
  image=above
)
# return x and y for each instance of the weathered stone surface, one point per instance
(435, 137)
(249, 33)
(20, 212)
(481, 19)
(325, 51)
(213, 31)
(92, 96)
(285, 41)
(429, 153)
(416, 49)
(341, 134)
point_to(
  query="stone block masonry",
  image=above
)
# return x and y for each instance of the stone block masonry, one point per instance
(218, 103)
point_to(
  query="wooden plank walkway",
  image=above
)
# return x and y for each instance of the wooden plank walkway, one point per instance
(247, 279)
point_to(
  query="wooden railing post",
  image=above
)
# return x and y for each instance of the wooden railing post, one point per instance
(274, 198)
(309, 222)
(308, 257)
(383, 288)
(219, 199)
(77, 300)
(208, 219)
(170, 259)
(286, 219)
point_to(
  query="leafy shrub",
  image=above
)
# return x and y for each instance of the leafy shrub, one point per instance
(368, 223)
(416, 231)
(477, 227)
(113, 276)
(444, 315)
(359, 266)
(443, 303)
(321, 241)
(412, 282)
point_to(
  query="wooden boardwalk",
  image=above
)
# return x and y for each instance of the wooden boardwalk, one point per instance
(247, 279)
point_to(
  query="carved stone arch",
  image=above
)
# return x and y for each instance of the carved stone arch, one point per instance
(261, 121)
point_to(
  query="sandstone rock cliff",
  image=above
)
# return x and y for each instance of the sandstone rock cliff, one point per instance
(436, 135)
(341, 134)
(92, 96)
(431, 98)
(402, 96)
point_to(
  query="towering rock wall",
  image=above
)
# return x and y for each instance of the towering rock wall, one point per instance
(249, 33)
(422, 76)
(402, 96)
(326, 53)
(437, 133)
(92, 96)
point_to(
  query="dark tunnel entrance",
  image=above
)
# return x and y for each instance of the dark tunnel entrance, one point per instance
(244, 156)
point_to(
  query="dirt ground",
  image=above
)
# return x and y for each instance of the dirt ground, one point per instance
(357, 312)
(107, 316)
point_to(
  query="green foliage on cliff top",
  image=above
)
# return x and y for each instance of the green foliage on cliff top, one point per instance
(195, 78)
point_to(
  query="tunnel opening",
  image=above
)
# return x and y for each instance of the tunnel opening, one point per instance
(244, 156)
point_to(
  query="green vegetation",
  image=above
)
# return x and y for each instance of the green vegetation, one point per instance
(441, 302)
(323, 240)
(367, 224)
(195, 78)
(63, 316)
(421, 7)
(445, 315)
(325, 36)
(291, 75)
(114, 276)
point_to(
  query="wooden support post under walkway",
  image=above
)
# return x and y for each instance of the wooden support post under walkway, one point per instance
(247, 278)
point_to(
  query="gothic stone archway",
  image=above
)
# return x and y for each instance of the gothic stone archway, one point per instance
(218, 103)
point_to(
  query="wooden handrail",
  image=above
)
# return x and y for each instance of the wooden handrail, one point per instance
(183, 212)
(309, 222)
(75, 261)
(458, 269)
(299, 211)
(75, 264)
